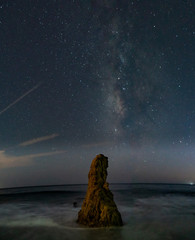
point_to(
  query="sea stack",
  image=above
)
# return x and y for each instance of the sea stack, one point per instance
(99, 208)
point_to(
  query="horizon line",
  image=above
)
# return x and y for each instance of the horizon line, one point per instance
(112, 183)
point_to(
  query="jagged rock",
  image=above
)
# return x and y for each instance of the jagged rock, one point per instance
(99, 208)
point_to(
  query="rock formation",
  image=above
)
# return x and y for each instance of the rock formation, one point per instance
(99, 208)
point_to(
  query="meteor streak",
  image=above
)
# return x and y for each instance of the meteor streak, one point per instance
(20, 98)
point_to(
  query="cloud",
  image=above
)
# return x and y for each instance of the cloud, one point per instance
(40, 139)
(20, 98)
(25, 160)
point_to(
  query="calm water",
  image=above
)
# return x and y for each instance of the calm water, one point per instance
(149, 212)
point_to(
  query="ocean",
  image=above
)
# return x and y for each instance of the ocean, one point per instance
(149, 212)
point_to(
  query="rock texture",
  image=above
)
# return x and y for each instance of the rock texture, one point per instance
(99, 208)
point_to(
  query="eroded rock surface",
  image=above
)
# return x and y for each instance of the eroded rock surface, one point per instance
(99, 208)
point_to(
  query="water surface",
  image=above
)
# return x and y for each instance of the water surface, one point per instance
(149, 211)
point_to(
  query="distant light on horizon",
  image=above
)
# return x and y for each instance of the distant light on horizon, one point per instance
(191, 183)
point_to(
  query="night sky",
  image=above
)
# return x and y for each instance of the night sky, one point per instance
(79, 78)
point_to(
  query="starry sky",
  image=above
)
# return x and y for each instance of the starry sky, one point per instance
(79, 78)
